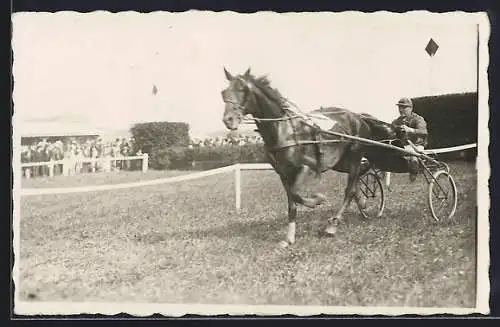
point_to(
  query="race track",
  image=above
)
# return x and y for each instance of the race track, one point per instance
(184, 243)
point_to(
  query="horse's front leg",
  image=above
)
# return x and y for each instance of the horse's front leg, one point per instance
(292, 214)
(295, 193)
(292, 182)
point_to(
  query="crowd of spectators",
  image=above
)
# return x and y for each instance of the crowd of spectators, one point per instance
(74, 153)
(222, 141)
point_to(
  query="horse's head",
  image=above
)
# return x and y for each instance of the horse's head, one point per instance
(237, 98)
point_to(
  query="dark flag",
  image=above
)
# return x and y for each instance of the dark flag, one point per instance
(431, 47)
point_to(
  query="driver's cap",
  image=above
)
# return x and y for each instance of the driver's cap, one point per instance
(405, 102)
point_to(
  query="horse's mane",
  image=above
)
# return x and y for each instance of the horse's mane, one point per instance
(264, 85)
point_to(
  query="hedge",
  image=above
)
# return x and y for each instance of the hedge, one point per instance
(153, 136)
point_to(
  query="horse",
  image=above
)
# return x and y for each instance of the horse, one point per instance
(294, 146)
(385, 159)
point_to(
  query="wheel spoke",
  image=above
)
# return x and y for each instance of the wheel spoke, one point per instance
(439, 185)
(372, 191)
(440, 206)
(442, 198)
(363, 189)
(439, 194)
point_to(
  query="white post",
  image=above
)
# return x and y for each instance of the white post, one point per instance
(237, 185)
(431, 86)
(28, 172)
(51, 168)
(387, 178)
(106, 162)
(145, 162)
(65, 167)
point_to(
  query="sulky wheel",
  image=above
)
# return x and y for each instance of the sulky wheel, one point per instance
(372, 192)
(442, 196)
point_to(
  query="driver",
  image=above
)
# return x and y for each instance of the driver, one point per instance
(413, 128)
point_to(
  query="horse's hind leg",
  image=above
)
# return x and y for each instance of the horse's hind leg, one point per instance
(351, 191)
(357, 195)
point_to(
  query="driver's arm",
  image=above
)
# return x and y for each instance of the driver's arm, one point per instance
(396, 122)
(420, 127)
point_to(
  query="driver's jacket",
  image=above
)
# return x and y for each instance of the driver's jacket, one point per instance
(418, 123)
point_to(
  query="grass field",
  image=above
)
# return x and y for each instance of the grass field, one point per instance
(185, 243)
(99, 179)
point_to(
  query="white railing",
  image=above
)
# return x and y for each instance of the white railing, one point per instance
(237, 168)
(387, 175)
(99, 188)
(451, 149)
(69, 164)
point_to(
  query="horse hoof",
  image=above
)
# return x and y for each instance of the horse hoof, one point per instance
(320, 198)
(364, 216)
(283, 244)
(330, 231)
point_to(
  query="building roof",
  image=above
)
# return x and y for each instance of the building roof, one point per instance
(34, 129)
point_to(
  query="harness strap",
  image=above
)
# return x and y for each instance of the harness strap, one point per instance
(319, 149)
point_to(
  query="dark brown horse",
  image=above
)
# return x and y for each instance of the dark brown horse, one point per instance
(296, 145)
(384, 159)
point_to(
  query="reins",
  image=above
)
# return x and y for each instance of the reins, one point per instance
(351, 138)
(307, 121)
(253, 119)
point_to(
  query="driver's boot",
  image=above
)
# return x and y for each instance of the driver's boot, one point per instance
(413, 166)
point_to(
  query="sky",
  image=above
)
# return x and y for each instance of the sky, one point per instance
(99, 69)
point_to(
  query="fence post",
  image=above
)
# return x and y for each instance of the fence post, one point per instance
(51, 168)
(145, 162)
(237, 185)
(65, 167)
(387, 179)
(27, 172)
(106, 164)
